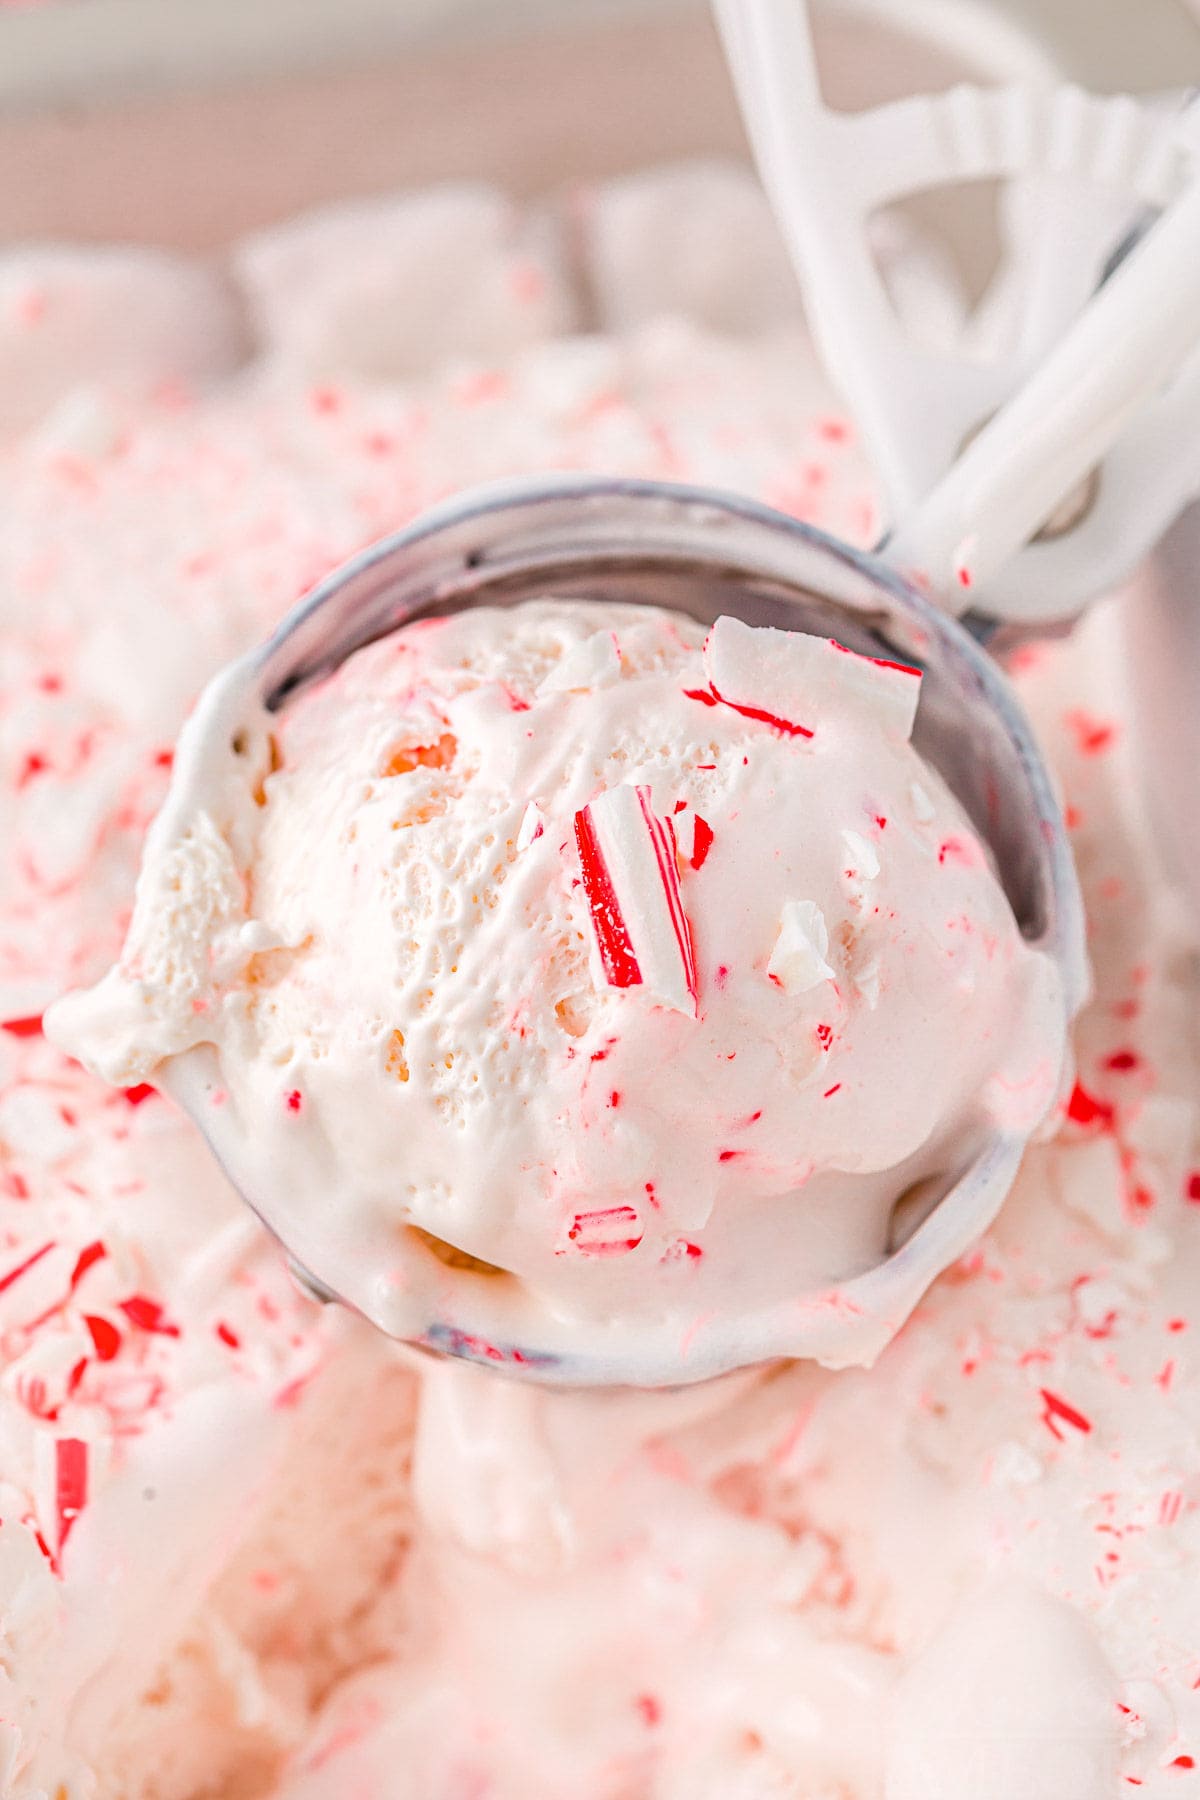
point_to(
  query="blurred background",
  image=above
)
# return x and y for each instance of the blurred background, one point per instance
(184, 121)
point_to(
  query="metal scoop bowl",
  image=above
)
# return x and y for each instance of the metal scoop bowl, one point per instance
(703, 553)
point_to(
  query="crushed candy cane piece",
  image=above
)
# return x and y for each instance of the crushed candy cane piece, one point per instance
(88, 1257)
(621, 967)
(798, 962)
(594, 662)
(1058, 1411)
(608, 1231)
(44, 1375)
(868, 982)
(148, 1315)
(29, 1026)
(702, 840)
(531, 827)
(693, 835)
(784, 677)
(682, 1250)
(15, 1273)
(753, 671)
(35, 1285)
(61, 1491)
(72, 1484)
(630, 872)
(864, 857)
(106, 1338)
(1085, 1109)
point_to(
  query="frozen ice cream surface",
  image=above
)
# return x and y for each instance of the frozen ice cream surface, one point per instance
(247, 1548)
(575, 948)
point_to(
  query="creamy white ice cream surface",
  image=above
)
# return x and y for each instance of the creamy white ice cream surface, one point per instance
(641, 967)
(251, 1548)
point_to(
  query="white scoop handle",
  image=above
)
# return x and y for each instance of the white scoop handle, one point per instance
(1123, 349)
(963, 519)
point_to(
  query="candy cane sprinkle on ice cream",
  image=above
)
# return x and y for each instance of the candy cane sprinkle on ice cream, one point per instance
(630, 866)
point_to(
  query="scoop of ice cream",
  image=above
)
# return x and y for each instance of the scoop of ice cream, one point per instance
(635, 970)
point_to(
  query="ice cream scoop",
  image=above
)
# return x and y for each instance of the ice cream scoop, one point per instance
(608, 990)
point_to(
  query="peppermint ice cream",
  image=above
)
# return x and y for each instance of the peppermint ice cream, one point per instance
(636, 971)
(250, 1547)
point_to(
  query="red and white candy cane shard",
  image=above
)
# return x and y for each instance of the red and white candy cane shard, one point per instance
(892, 689)
(631, 877)
(33, 1286)
(532, 826)
(792, 680)
(702, 842)
(693, 835)
(70, 1486)
(621, 967)
(610, 1231)
(798, 961)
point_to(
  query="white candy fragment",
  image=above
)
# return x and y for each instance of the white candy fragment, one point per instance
(595, 662)
(892, 690)
(764, 674)
(869, 981)
(532, 826)
(1099, 1302)
(630, 873)
(683, 824)
(864, 858)
(798, 959)
(791, 680)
